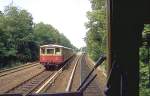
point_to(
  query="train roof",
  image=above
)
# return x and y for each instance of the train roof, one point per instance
(54, 46)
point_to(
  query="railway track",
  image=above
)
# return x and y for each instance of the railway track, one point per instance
(70, 82)
(80, 64)
(81, 70)
(51, 81)
(31, 84)
(46, 79)
(16, 69)
(93, 89)
(37, 83)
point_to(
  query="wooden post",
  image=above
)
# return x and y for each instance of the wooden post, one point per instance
(125, 25)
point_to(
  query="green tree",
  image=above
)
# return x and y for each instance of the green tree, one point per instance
(7, 49)
(96, 35)
(16, 33)
(144, 70)
(45, 34)
(20, 38)
(65, 41)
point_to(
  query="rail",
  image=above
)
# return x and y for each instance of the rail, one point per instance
(79, 91)
(8, 69)
(50, 80)
(72, 75)
(16, 69)
(99, 62)
(8, 91)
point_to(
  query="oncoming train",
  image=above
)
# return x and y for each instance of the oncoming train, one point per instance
(54, 55)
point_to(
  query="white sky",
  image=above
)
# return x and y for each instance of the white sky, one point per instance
(68, 16)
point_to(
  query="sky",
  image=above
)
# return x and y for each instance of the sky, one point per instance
(68, 16)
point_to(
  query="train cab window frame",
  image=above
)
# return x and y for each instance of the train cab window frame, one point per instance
(50, 52)
(42, 50)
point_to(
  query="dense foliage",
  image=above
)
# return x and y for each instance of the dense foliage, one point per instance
(144, 63)
(47, 34)
(15, 35)
(20, 37)
(96, 42)
(96, 35)
(144, 80)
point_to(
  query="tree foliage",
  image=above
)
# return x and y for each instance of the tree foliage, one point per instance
(16, 33)
(144, 80)
(96, 41)
(47, 34)
(96, 35)
(20, 38)
(144, 63)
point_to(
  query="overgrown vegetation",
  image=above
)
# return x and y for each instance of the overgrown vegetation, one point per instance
(96, 42)
(144, 70)
(20, 38)
(96, 35)
(144, 80)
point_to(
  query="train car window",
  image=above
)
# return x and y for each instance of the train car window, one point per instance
(57, 51)
(42, 50)
(50, 51)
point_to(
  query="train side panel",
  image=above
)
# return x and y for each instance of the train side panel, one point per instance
(67, 53)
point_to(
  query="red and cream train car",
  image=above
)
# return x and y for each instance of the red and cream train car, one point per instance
(54, 55)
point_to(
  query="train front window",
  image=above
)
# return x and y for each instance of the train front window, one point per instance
(57, 51)
(50, 51)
